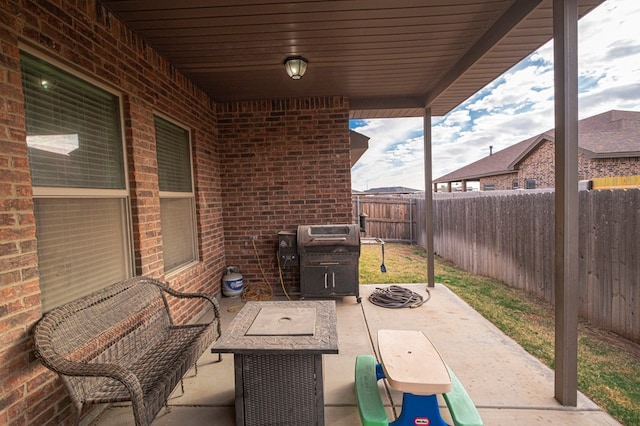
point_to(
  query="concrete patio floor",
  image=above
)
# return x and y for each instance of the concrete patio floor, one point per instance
(509, 386)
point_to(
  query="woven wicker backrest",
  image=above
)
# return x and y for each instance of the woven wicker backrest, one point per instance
(112, 325)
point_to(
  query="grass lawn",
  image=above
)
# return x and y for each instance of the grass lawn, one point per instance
(608, 365)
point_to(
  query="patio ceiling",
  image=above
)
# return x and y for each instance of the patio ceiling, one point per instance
(390, 58)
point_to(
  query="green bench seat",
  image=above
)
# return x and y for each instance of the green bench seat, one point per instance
(462, 409)
(372, 412)
(370, 407)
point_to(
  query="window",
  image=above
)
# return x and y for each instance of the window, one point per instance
(489, 186)
(515, 184)
(530, 184)
(76, 158)
(177, 200)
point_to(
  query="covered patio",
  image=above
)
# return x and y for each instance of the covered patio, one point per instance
(389, 60)
(262, 154)
(508, 385)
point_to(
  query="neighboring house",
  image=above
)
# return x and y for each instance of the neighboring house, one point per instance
(609, 145)
(387, 190)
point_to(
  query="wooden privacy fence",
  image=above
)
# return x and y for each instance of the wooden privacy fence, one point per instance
(391, 218)
(510, 236)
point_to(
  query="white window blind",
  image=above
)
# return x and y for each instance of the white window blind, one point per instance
(73, 130)
(77, 167)
(80, 246)
(176, 216)
(177, 200)
(174, 157)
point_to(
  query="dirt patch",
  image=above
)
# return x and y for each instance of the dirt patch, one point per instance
(615, 340)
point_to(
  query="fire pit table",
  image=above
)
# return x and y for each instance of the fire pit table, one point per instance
(278, 349)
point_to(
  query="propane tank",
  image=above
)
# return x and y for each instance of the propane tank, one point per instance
(232, 282)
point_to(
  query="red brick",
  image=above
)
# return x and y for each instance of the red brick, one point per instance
(8, 248)
(18, 320)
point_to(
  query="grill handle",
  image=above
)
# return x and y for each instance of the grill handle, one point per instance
(326, 280)
(328, 239)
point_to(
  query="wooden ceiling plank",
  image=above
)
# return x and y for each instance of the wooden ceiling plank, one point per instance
(305, 11)
(440, 51)
(231, 34)
(515, 14)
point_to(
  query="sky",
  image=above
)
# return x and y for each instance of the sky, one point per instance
(514, 107)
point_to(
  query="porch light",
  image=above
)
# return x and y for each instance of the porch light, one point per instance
(296, 66)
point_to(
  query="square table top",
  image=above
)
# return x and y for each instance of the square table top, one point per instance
(282, 327)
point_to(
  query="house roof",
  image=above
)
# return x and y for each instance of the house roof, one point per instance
(392, 190)
(359, 145)
(389, 58)
(611, 134)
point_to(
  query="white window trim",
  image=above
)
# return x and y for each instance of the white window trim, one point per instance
(68, 192)
(190, 195)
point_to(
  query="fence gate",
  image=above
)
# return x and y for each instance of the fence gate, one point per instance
(389, 218)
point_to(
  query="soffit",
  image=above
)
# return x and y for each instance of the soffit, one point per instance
(390, 58)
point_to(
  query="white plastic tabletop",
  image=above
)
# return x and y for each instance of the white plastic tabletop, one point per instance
(412, 363)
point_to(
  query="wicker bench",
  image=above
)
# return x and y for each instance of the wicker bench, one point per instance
(121, 344)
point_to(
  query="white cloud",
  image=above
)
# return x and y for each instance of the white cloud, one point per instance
(514, 107)
(395, 154)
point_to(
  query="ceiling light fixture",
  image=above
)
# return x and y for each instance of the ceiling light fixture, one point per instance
(296, 66)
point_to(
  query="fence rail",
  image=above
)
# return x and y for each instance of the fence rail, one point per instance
(510, 236)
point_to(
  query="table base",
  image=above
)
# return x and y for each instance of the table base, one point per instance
(279, 389)
(419, 410)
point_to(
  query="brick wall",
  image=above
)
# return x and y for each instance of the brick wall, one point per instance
(608, 167)
(83, 37)
(284, 163)
(501, 182)
(540, 165)
(19, 285)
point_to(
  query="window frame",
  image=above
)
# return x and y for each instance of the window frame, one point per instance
(61, 192)
(179, 195)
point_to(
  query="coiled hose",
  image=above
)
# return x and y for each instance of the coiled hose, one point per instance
(395, 297)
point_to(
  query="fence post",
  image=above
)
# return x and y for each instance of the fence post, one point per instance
(410, 220)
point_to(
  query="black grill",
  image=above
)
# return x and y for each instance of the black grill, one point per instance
(329, 260)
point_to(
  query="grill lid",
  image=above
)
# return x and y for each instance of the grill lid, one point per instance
(340, 238)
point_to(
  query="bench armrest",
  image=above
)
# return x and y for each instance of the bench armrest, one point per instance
(183, 295)
(51, 359)
(61, 365)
